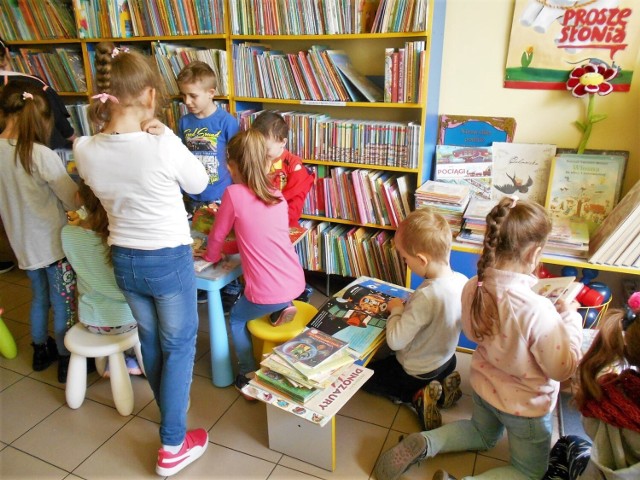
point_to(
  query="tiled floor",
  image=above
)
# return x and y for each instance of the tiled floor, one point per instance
(41, 437)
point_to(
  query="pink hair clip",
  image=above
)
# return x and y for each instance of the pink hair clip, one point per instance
(104, 96)
(27, 95)
(479, 284)
(514, 200)
(117, 50)
(634, 302)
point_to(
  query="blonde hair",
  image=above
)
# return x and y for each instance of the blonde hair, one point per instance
(29, 107)
(198, 71)
(511, 229)
(125, 75)
(97, 215)
(248, 151)
(426, 231)
(611, 348)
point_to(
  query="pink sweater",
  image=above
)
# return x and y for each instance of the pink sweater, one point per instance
(518, 370)
(269, 262)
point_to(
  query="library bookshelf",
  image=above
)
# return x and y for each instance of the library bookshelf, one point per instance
(342, 241)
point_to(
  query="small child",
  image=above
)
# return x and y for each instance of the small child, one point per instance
(258, 214)
(608, 396)
(287, 172)
(205, 130)
(102, 307)
(35, 191)
(424, 332)
(526, 346)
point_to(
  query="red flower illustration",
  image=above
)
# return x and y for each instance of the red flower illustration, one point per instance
(591, 78)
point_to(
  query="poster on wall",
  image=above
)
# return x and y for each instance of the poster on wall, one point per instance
(551, 37)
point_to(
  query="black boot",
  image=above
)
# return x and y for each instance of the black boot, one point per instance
(52, 349)
(41, 358)
(63, 368)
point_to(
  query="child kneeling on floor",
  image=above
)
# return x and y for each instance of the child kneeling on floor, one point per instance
(424, 332)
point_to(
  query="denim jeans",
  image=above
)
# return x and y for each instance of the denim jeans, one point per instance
(240, 314)
(53, 286)
(160, 288)
(529, 440)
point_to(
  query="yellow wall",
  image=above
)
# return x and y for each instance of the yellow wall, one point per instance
(475, 50)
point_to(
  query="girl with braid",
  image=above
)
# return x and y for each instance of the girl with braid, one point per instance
(526, 346)
(608, 396)
(138, 168)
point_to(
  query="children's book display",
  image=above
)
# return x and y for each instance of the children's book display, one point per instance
(358, 314)
(469, 166)
(475, 131)
(310, 349)
(474, 223)
(585, 186)
(568, 237)
(447, 199)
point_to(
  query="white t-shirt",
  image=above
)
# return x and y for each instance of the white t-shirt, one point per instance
(137, 177)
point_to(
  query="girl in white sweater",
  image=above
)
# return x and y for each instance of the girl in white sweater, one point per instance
(526, 346)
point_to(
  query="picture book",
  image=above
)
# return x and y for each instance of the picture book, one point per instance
(349, 74)
(565, 288)
(323, 406)
(310, 348)
(474, 131)
(317, 377)
(521, 169)
(466, 166)
(616, 227)
(273, 379)
(568, 237)
(358, 314)
(585, 186)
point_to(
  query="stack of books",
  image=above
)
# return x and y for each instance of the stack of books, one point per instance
(448, 199)
(617, 240)
(569, 238)
(474, 223)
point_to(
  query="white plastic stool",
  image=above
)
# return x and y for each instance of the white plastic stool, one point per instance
(83, 344)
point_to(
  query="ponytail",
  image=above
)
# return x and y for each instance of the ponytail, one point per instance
(33, 121)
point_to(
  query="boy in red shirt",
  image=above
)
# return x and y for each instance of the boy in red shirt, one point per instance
(287, 172)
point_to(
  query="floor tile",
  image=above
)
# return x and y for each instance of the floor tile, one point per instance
(25, 404)
(56, 439)
(8, 378)
(484, 463)
(13, 295)
(17, 464)
(284, 473)
(370, 408)
(99, 390)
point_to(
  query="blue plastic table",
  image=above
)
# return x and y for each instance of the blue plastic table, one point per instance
(213, 279)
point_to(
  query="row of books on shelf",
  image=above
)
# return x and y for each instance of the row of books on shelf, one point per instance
(317, 136)
(403, 71)
(61, 67)
(172, 58)
(146, 18)
(359, 195)
(321, 74)
(327, 17)
(350, 251)
(315, 373)
(31, 20)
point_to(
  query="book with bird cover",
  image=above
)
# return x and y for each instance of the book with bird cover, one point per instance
(521, 169)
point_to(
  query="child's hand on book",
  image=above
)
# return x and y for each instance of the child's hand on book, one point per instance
(153, 126)
(394, 303)
(562, 306)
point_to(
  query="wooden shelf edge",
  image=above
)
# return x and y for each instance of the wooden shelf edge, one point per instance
(331, 163)
(328, 36)
(346, 222)
(326, 103)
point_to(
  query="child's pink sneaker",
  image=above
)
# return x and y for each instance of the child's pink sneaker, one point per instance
(195, 443)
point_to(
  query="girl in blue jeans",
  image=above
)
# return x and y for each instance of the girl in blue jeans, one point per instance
(35, 190)
(138, 169)
(525, 347)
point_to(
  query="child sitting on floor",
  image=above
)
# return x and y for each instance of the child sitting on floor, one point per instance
(424, 332)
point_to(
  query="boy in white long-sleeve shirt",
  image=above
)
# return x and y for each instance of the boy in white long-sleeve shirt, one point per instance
(423, 333)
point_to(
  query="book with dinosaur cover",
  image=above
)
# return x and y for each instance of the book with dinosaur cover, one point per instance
(358, 314)
(521, 169)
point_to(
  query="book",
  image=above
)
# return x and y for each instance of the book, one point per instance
(521, 169)
(273, 379)
(474, 131)
(556, 288)
(568, 237)
(616, 227)
(584, 186)
(323, 406)
(311, 348)
(357, 314)
(465, 166)
(366, 87)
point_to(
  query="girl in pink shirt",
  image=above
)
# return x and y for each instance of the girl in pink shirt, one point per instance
(258, 215)
(526, 346)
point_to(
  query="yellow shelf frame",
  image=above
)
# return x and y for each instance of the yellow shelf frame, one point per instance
(346, 222)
